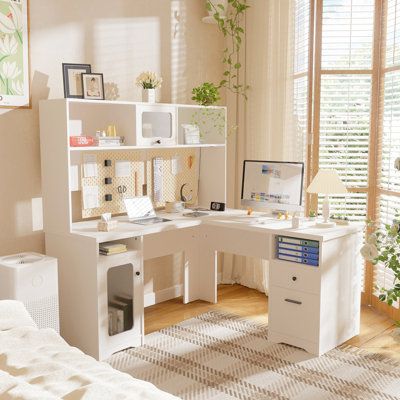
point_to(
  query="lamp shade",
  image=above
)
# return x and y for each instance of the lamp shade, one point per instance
(327, 181)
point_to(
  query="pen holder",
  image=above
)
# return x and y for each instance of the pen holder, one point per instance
(107, 226)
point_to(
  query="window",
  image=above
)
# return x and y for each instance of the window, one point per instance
(354, 120)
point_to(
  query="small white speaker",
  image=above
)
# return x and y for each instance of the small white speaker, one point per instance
(33, 279)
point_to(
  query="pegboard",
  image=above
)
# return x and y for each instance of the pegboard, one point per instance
(141, 162)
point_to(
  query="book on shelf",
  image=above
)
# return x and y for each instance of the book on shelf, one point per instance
(126, 299)
(112, 248)
(115, 320)
(104, 141)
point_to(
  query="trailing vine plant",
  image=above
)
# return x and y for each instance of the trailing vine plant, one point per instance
(229, 23)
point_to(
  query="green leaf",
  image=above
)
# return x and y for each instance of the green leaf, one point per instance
(237, 65)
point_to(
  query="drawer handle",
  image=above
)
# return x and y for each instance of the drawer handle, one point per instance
(137, 273)
(294, 278)
(293, 301)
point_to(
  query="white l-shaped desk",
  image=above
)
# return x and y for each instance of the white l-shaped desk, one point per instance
(315, 308)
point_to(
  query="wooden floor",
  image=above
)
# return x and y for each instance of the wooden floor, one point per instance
(376, 329)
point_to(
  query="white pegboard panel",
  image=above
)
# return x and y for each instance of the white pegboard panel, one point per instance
(141, 165)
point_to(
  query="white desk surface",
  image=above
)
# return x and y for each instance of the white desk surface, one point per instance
(230, 219)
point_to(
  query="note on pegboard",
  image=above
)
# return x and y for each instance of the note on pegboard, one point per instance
(141, 169)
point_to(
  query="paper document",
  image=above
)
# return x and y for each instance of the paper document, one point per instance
(123, 169)
(74, 178)
(90, 195)
(90, 165)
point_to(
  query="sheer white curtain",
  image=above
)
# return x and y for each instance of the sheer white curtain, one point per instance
(265, 124)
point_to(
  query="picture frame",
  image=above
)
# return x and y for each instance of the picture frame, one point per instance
(14, 54)
(93, 86)
(72, 78)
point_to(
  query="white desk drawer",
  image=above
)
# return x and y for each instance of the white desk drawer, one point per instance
(295, 277)
(294, 313)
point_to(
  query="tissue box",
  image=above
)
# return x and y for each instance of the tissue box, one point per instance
(107, 226)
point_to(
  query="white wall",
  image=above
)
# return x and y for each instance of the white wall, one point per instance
(119, 38)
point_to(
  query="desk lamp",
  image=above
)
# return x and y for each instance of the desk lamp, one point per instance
(326, 182)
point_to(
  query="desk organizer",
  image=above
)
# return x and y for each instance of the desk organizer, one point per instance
(171, 183)
(297, 250)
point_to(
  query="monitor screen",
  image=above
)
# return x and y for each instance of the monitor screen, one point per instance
(272, 185)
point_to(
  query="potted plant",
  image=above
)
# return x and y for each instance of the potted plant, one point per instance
(206, 94)
(149, 82)
(312, 215)
(383, 246)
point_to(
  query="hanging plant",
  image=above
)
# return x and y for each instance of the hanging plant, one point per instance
(228, 19)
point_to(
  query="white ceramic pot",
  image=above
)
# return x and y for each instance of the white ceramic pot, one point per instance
(216, 2)
(149, 95)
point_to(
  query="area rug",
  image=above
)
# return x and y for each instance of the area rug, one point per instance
(222, 356)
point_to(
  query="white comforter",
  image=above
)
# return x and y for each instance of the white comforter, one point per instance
(39, 364)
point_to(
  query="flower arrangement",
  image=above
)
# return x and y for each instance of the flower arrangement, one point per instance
(148, 80)
(383, 246)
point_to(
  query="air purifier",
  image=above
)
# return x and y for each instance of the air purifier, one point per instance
(32, 278)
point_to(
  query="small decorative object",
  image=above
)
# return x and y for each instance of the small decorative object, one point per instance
(14, 56)
(383, 246)
(106, 224)
(72, 77)
(191, 133)
(93, 86)
(326, 182)
(111, 91)
(295, 221)
(81, 141)
(249, 211)
(206, 94)
(312, 215)
(149, 82)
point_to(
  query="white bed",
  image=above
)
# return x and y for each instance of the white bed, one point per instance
(38, 364)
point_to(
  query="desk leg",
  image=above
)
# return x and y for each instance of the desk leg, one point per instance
(191, 275)
(208, 275)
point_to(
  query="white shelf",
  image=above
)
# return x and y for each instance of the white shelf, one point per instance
(119, 148)
(119, 102)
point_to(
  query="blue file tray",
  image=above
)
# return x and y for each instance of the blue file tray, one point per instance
(297, 250)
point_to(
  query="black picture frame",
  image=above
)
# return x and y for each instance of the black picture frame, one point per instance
(99, 86)
(73, 72)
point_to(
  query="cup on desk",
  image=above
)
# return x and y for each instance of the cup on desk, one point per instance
(174, 206)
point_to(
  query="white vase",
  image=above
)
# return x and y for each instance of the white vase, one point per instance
(149, 95)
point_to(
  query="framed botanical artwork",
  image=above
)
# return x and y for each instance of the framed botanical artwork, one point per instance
(14, 54)
(93, 86)
(72, 77)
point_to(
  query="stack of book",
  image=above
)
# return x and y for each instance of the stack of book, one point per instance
(108, 249)
(105, 141)
(120, 314)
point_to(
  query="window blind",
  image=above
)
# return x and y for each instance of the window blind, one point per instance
(345, 127)
(392, 14)
(347, 34)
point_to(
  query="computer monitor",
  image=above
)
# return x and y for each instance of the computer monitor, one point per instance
(272, 185)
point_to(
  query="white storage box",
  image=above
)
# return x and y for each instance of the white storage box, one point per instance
(32, 278)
